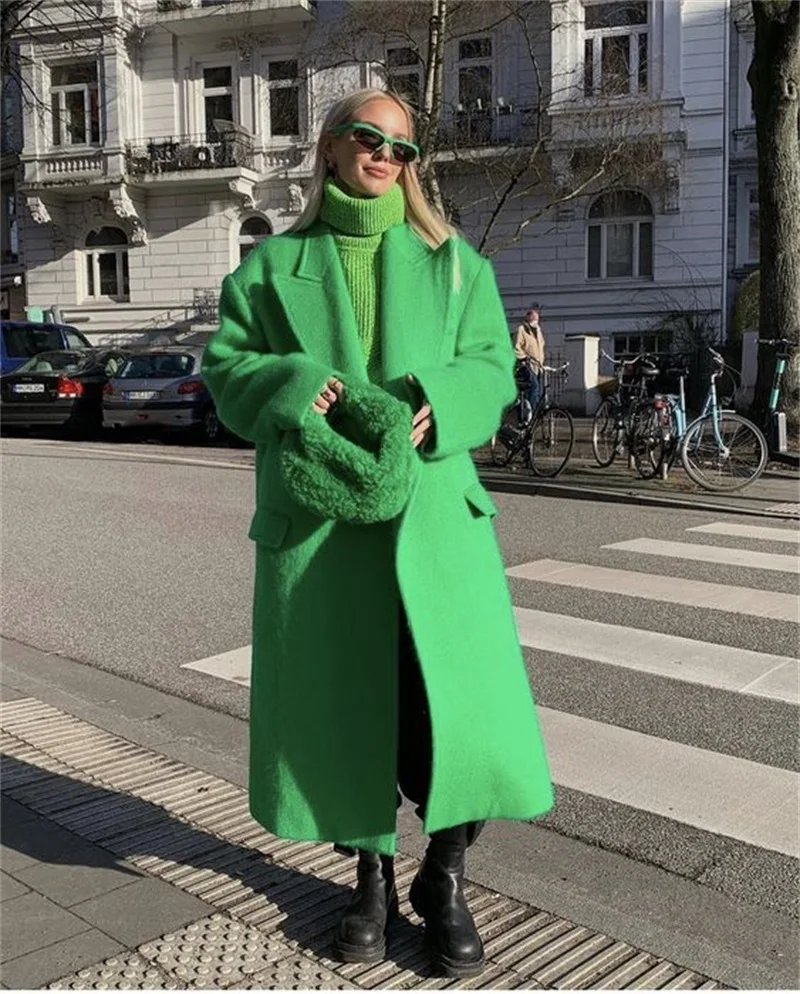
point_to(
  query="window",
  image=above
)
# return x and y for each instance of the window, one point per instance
(107, 264)
(620, 237)
(75, 104)
(626, 345)
(157, 366)
(283, 85)
(475, 89)
(616, 40)
(10, 229)
(746, 117)
(252, 231)
(405, 74)
(218, 98)
(748, 228)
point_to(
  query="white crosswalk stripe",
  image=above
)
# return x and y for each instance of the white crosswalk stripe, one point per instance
(667, 589)
(720, 554)
(233, 666)
(791, 535)
(657, 776)
(669, 655)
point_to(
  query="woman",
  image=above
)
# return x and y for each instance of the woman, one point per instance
(372, 285)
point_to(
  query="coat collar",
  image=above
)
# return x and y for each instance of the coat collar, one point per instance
(317, 302)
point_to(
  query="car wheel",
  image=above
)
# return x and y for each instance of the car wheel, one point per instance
(210, 428)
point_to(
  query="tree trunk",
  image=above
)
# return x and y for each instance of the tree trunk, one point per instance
(432, 100)
(774, 76)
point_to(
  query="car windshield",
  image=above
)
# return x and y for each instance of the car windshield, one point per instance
(58, 362)
(157, 367)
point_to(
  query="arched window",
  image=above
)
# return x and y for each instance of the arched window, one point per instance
(252, 231)
(107, 265)
(619, 237)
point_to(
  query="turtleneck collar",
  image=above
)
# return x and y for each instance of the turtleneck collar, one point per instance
(362, 215)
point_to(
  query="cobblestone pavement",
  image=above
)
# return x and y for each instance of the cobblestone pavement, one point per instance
(126, 870)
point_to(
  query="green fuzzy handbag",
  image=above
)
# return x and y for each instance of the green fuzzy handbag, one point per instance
(355, 464)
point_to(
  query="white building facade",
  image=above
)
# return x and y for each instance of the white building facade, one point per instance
(176, 134)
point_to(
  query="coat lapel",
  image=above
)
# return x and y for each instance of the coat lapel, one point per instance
(416, 294)
(317, 304)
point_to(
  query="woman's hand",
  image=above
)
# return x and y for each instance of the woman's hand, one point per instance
(421, 424)
(328, 396)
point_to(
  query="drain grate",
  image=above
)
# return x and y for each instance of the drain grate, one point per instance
(278, 901)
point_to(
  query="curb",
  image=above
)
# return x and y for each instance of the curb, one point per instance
(575, 492)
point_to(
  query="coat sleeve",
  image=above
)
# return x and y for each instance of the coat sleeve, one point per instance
(252, 387)
(468, 395)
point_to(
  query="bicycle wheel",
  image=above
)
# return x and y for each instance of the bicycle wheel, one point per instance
(739, 462)
(606, 434)
(551, 441)
(648, 443)
(508, 438)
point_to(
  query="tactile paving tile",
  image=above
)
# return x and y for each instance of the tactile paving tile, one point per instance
(270, 916)
(214, 952)
(126, 972)
(297, 973)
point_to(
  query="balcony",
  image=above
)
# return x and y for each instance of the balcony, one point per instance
(191, 17)
(185, 154)
(481, 132)
(69, 169)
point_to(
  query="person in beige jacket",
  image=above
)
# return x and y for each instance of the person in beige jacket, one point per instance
(529, 349)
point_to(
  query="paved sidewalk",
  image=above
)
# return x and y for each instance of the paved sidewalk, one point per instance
(126, 869)
(775, 495)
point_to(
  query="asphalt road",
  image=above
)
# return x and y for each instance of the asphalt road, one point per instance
(135, 559)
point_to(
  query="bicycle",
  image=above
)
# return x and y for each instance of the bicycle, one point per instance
(546, 435)
(774, 423)
(720, 449)
(618, 416)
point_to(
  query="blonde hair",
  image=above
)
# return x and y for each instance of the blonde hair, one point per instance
(422, 216)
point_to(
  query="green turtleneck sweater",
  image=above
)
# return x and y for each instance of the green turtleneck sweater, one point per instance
(358, 224)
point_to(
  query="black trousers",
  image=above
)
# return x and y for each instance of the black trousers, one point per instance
(414, 737)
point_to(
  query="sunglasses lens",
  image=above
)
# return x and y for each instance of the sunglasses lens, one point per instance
(367, 139)
(404, 153)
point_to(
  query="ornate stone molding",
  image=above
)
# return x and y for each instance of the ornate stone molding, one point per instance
(38, 210)
(125, 211)
(44, 213)
(242, 190)
(295, 199)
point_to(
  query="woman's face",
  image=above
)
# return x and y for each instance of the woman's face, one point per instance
(366, 173)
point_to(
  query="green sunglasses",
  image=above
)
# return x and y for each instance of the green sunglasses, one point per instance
(373, 139)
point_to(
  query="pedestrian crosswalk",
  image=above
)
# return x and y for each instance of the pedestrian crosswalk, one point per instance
(660, 742)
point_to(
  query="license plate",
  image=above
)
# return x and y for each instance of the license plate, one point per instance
(141, 394)
(29, 388)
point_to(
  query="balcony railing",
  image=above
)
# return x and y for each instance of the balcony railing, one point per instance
(165, 6)
(501, 126)
(184, 153)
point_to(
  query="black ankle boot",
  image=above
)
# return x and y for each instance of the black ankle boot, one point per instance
(437, 896)
(361, 935)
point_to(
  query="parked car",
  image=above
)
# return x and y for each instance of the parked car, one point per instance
(162, 388)
(22, 340)
(59, 389)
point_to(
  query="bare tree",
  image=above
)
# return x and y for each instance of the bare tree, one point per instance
(492, 165)
(774, 77)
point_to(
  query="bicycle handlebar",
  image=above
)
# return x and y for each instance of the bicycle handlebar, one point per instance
(774, 341)
(556, 369)
(618, 362)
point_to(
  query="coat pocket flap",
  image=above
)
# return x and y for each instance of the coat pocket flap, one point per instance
(480, 499)
(269, 527)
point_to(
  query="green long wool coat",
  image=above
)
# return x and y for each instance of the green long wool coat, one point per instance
(323, 735)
